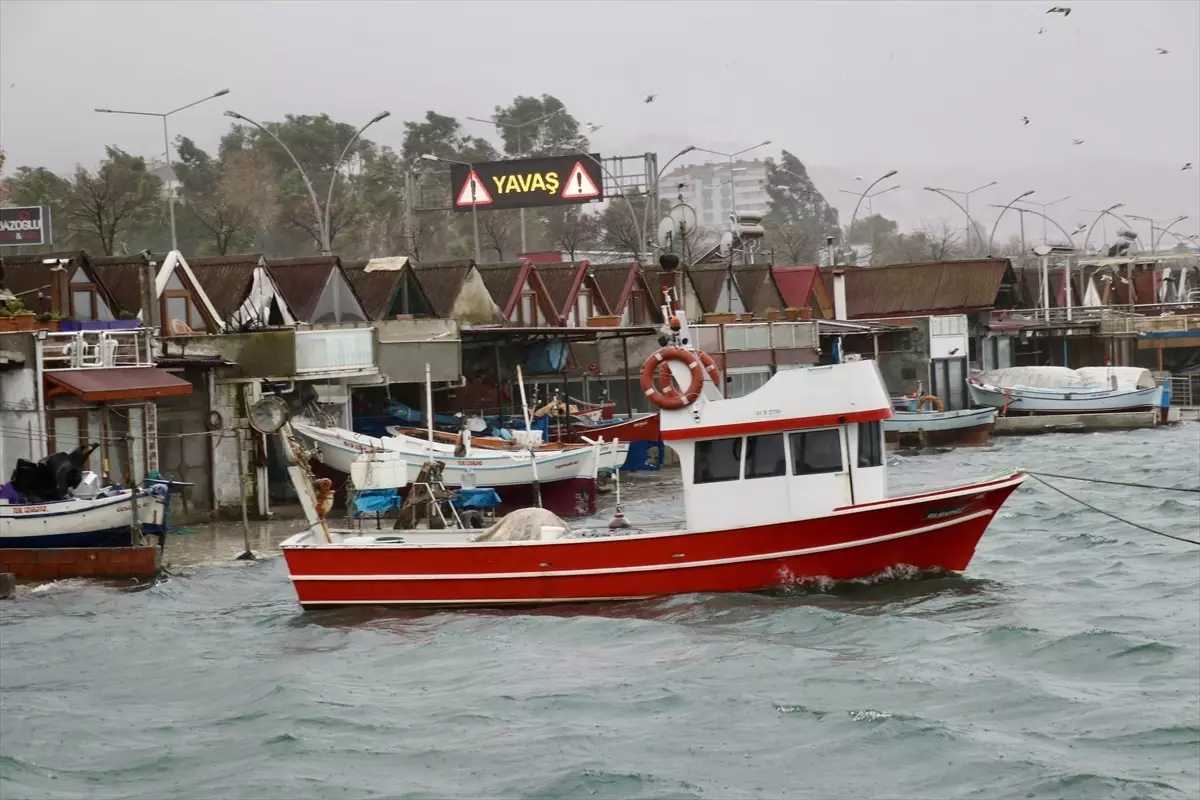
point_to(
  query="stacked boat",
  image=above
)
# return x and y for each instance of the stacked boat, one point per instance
(1059, 390)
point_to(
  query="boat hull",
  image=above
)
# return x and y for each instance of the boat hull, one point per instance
(102, 522)
(938, 530)
(1025, 400)
(972, 428)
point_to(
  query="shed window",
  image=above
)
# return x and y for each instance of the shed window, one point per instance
(814, 452)
(765, 457)
(718, 460)
(870, 447)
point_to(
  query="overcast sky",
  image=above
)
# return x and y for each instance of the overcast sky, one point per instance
(935, 90)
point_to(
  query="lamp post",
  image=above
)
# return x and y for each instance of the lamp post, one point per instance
(1101, 214)
(1043, 214)
(474, 206)
(1163, 231)
(1068, 240)
(870, 197)
(966, 207)
(731, 157)
(167, 150)
(1005, 208)
(1154, 240)
(323, 224)
(863, 194)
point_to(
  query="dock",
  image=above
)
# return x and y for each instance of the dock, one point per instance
(57, 563)
(1075, 423)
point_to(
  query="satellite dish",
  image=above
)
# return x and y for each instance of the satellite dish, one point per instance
(679, 221)
(684, 216)
(666, 234)
(269, 414)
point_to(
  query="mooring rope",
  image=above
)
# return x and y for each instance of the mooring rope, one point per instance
(1116, 483)
(1035, 475)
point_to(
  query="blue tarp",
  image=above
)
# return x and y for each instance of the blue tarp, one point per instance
(375, 501)
(475, 498)
(548, 356)
(644, 457)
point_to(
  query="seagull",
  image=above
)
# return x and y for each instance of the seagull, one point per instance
(1066, 12)
(593, 127)
(1041, 31)
(1025, 120)
(1077, 141)
(858, 177)
(1079, 229)
(1188, 165)
(1162, 51)
(650, 98)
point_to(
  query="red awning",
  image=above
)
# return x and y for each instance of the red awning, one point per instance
(121, 383)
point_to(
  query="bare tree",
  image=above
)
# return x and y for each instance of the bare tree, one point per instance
(795, 241)
(242, 201)
(941, 240)
(496, 229)
(119, 194)
(571, 229)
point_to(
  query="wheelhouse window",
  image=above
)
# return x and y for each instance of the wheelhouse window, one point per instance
(870, 446)
(765, 456)
(718, 460)
(815, 452)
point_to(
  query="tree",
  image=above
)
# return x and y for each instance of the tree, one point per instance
(571, 228)
(231, 199)
(800, 217)
(120, 195)
(38, 186)
(941, 240)
(496, 231)
(618, 230)
(529, 125)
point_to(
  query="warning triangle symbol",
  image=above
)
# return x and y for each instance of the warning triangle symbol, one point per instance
(579, 184)
(478, 197)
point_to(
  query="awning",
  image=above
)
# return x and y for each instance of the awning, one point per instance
(120, 383)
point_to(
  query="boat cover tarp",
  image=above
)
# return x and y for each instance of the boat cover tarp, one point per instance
(522, 525)
(1062, 377)
(376, 501)
(475, 498)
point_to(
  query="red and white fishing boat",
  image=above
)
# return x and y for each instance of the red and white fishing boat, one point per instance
(784, 484)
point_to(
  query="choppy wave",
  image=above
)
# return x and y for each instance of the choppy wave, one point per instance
(1064, 663)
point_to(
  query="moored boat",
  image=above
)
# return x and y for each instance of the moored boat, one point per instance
(1059, 390)
(781, 485)
(100, 521)
(960, 428)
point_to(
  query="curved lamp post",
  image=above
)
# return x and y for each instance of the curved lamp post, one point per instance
(966, 209)
(870, 197)
(167, 148)
(865, 192)
(654, 194)
(731, 157)
(1099, 216)
(474, 205)
(1167, 229)
(333, 178)
(1006, 207)
(1043, 214)
(1045, 218)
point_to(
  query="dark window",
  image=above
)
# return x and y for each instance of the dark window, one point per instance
(765, 456)
(718, 460)
(814, 452)
(870, 450)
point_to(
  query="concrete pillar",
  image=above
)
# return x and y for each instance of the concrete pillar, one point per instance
(839, 293)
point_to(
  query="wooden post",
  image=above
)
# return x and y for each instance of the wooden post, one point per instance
(625, 374)
(135, 527)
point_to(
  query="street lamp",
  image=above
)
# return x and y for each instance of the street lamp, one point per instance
(1154, 240)
(870, 197)
(322, 218)
(1004, 209)
(864, 194)
(516, 126)
(167, 150)
(731, 157)
(474, 206)
(966, 208)
(1099, 216)
(1043, 214)
(1068, 240)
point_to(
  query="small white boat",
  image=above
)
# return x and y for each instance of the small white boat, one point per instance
(100, 521)
(1064, 400)
(961, 428)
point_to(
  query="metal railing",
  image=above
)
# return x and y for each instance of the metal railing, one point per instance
(1185, 389)
(105, 349)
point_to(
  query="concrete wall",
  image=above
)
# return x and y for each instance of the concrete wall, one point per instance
(20, 432)
(260, 354)
(228, 483)
(406, 345)
(903, 370)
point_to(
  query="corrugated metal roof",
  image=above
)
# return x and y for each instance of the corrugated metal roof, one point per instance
(121, 274)
(226, 280)
(98, 385)
(759, 292)
(708, 282)
(301, 281)
(562, 282)
(441, 281)
(503, 280)
(939, 287)
(796, 284)
(26, 275)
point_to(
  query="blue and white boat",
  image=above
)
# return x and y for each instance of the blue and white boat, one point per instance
(100, 521)
(1058, 390)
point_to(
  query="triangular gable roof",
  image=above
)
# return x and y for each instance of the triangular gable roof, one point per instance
(616, 281)
(26, 276)
(757, 285)
(121, 275)
(709, 281)
(380, 283)
(456, 290)
(505, 280)
(800, 286)
(239, 286)
(302, 281)
(563, 280)
(927, 288)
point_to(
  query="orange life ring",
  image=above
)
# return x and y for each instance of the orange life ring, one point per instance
(666, 384)
(932, 400)
(672, 400)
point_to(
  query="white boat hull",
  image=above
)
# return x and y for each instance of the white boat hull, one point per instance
(1069, 400)
(97, 522)
(940, 428)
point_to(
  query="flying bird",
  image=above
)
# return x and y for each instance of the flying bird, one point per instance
(650, 98)
(1025, 120)
(1162, 51)
(1188, 165)
(858, 177)
(1064, 10)
(1041, 31)
(1077, 141)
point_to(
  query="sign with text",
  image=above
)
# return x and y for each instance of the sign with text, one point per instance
(527, 182)
(25, 225)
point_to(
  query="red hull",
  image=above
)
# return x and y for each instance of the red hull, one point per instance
(935, 530)
(640, 429)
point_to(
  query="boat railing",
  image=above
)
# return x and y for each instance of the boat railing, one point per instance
(101, 349)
